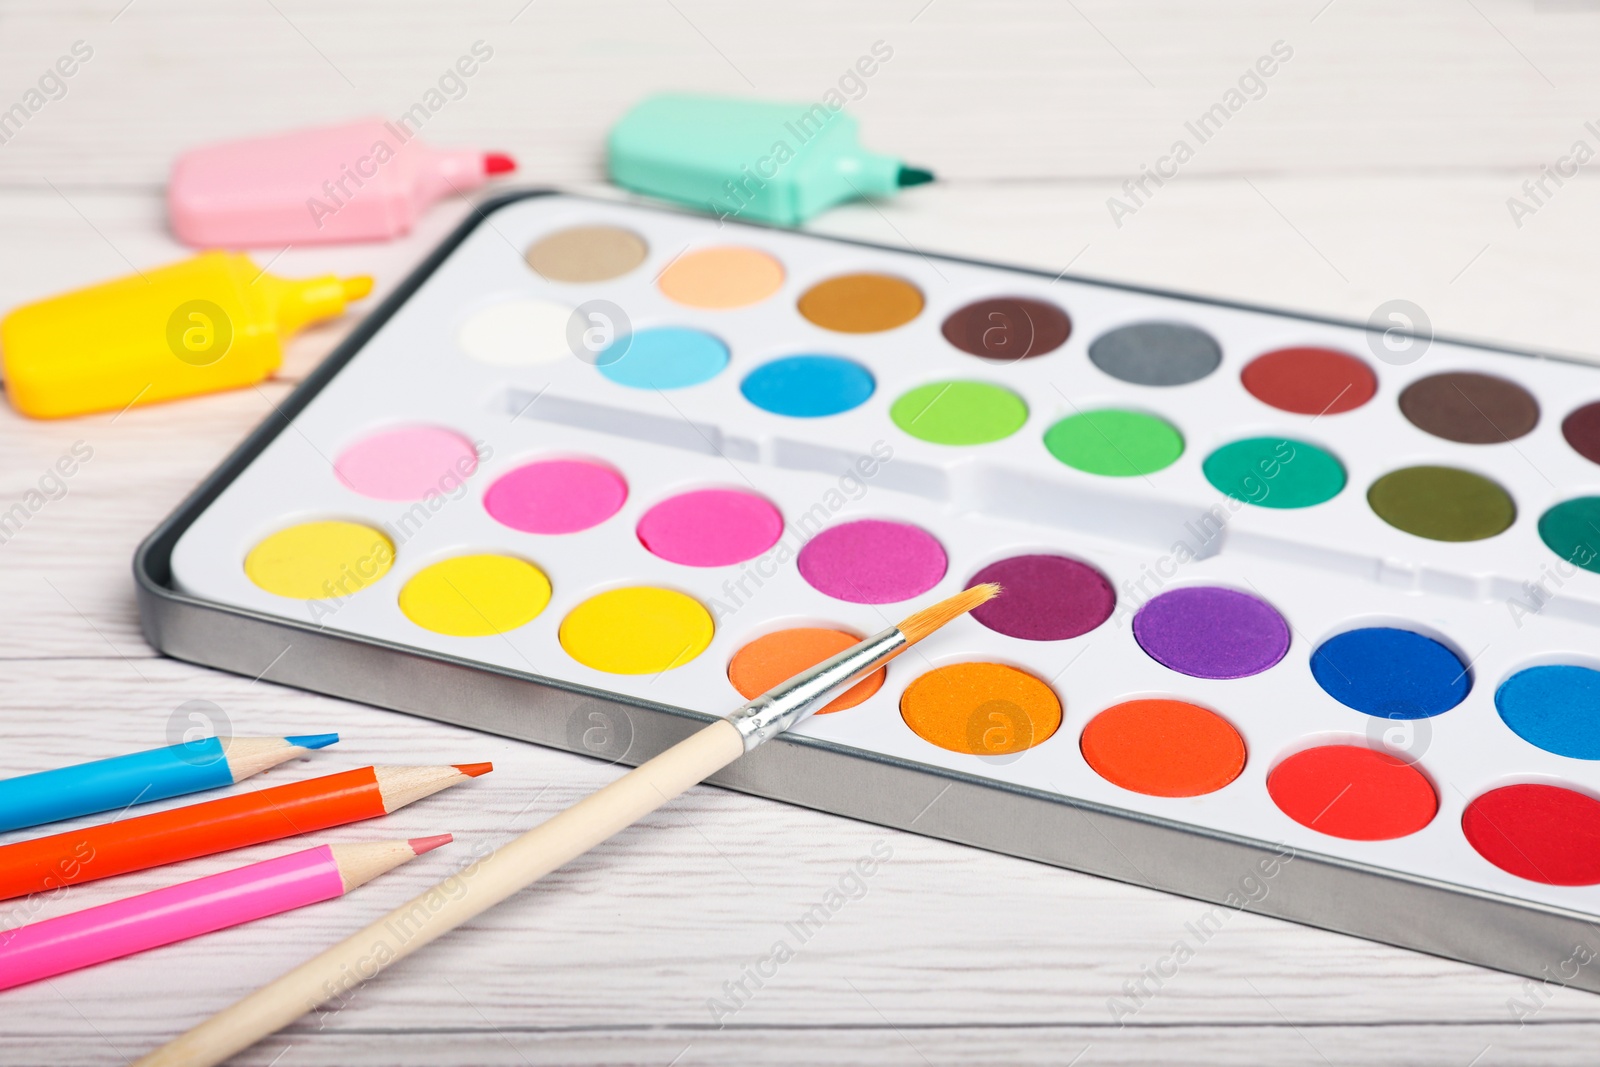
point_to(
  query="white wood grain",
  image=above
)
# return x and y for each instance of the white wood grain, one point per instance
(1377, 166)
(894, 1043)
(1017, 89)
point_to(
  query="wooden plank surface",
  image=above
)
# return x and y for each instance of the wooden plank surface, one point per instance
(1376, 166)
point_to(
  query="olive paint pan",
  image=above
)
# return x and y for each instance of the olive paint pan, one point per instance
(1300, 616)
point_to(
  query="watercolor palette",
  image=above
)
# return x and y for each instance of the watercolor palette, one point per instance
(1280, 613)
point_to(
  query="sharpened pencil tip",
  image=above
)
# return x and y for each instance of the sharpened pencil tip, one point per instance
(313, 740)
(472, 770)
(419, 845)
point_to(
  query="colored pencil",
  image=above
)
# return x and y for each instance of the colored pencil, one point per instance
(526, 859)
(141, 777)
(189, 909)
(219, 825)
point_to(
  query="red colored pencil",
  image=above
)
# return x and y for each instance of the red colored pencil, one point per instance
(219, 825)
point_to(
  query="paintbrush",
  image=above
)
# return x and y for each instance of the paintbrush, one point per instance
(526, 859)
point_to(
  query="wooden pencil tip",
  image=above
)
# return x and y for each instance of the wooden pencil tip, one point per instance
(472, 770)
(926, 621)
(419, 845)
(312, 740)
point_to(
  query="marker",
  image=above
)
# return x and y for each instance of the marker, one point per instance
(178, 912)
(213, 322)
(141, 777)
(750, 159)
(360, 181)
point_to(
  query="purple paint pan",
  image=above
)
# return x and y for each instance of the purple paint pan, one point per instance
(1209, 632)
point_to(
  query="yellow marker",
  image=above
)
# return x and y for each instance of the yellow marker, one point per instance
(213, 322)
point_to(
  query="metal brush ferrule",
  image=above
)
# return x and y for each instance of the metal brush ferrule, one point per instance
(783, 705)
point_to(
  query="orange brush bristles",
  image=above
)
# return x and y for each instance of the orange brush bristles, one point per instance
(926, 621)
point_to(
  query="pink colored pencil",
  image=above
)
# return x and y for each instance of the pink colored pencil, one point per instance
(189, 909)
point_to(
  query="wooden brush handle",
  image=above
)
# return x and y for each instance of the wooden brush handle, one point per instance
(487, 882)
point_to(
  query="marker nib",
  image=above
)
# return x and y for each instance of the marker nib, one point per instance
(419, 845)
(914, 176)
(313, 740)
(498, 163)
(356, 286)
(472, 770)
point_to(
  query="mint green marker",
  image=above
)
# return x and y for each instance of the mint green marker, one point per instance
(749, 159)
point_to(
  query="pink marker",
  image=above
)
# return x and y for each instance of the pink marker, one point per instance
(362, 181)
(189, 909)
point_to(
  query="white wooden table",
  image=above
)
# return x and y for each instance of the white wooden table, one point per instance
(1377, 165)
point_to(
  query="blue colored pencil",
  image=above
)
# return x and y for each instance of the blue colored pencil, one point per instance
(141, 777)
